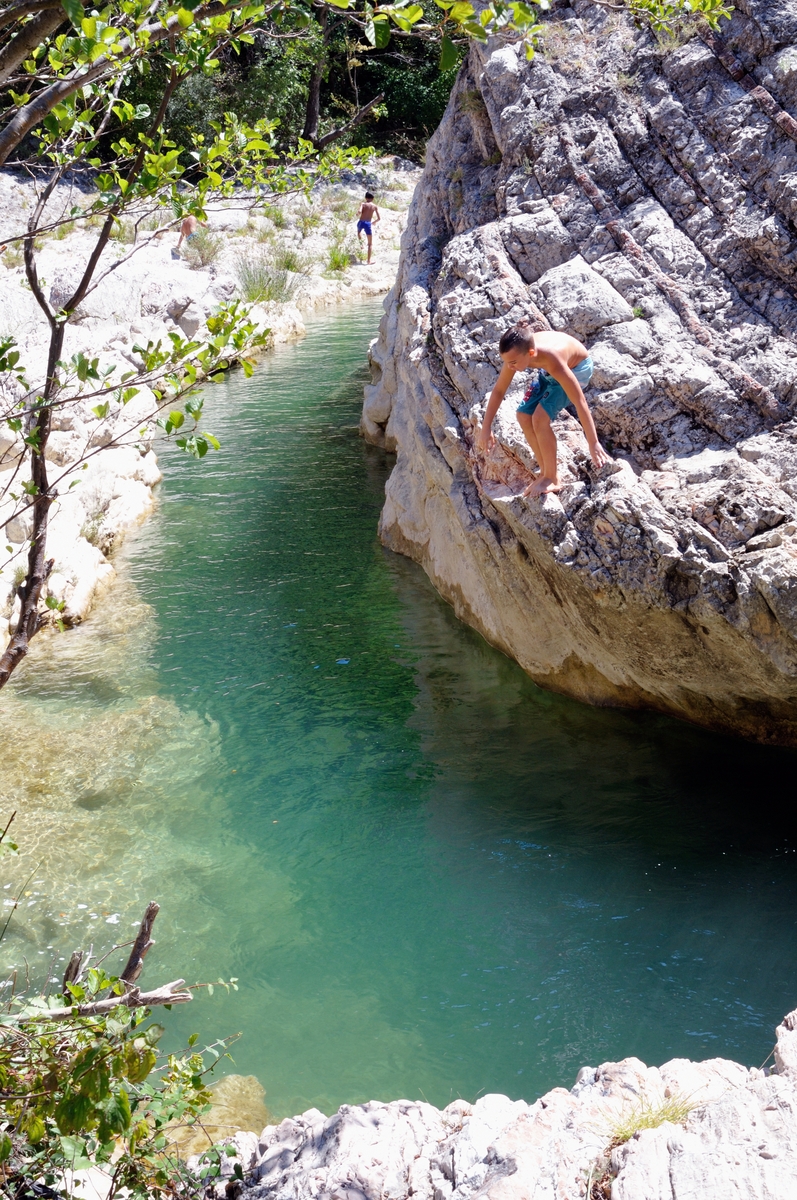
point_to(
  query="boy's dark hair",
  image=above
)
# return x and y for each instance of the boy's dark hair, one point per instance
(369, 195)
(519, 337)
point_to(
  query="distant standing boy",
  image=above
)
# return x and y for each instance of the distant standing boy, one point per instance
(368, 213)
(565, 368)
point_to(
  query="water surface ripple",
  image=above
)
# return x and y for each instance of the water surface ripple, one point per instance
(432, 878)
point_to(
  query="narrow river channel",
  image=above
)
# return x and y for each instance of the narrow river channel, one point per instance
(431, 878)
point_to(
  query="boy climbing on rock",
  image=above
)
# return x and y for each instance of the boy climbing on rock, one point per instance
(565, 367)
(368, 213)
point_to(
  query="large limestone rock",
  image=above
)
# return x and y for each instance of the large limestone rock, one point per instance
(730, 1132)
(643, 196)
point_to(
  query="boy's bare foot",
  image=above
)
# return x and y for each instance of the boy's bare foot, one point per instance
(543, 486)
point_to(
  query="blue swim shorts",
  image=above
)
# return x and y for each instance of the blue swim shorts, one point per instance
(550, 395)
(364, 227)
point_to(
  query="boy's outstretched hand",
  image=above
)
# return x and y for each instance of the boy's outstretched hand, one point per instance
(485, 439)
(598, 455)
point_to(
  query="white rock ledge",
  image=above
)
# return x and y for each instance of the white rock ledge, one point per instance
(738, 1140)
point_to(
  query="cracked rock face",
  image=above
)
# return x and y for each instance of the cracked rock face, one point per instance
(644, 197)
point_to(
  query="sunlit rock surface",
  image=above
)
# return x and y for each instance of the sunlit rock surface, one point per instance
(732, 1133)
(643, 196)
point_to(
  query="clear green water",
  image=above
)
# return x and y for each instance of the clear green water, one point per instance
(432, 878)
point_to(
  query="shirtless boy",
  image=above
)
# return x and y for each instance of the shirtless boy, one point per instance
(564, 368)
(368, 213)
(188, 229)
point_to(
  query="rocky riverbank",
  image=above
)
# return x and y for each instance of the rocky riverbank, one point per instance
(640, 192)
(684, 1130)
(295, 251)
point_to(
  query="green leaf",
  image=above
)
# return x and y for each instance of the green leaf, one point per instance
(74, 1151)
(116, 1112)
(74, 10)
(448, 54)
(101, 410)
(215, 443)
(73, 1112)
(382, 33)
(184, 18)
(176, 418)
(5, 1147)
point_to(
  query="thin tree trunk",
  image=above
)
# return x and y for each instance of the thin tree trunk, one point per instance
(313, 110)
(39, 420)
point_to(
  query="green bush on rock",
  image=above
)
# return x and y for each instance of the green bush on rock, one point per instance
(83, 1084)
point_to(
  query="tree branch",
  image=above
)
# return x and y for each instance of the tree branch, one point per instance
(134, 998)
(36, 110)
(141, 945)
(29, 37)
(334, 134)
(16, 12)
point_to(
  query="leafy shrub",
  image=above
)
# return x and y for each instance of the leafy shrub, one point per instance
(204, 248)
(84, 1085)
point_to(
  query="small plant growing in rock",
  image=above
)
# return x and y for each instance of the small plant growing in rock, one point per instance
(90, 529)
(14, 256)
(276, 215)
(308, 221)
(261, 281)
(646, 1115)
(342, 251)
(625, 1125)
(204, 248)
(471, 101)
(639, 312)
(288, 258)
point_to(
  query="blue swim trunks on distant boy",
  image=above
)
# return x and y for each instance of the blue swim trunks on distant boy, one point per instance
(364, 227)
(550, 395)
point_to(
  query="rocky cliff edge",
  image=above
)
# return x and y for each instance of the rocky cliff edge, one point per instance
(731, 1132)
(642, 194)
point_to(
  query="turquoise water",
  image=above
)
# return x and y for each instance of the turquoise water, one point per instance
(432, 878)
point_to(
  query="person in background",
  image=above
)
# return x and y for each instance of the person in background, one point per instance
(189, 229)
(368, 213)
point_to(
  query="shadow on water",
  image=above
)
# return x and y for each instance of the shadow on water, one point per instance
(431, 877)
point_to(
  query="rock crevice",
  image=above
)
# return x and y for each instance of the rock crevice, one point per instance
(642, 195)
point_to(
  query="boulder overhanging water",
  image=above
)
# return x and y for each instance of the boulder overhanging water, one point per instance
(642, 195)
